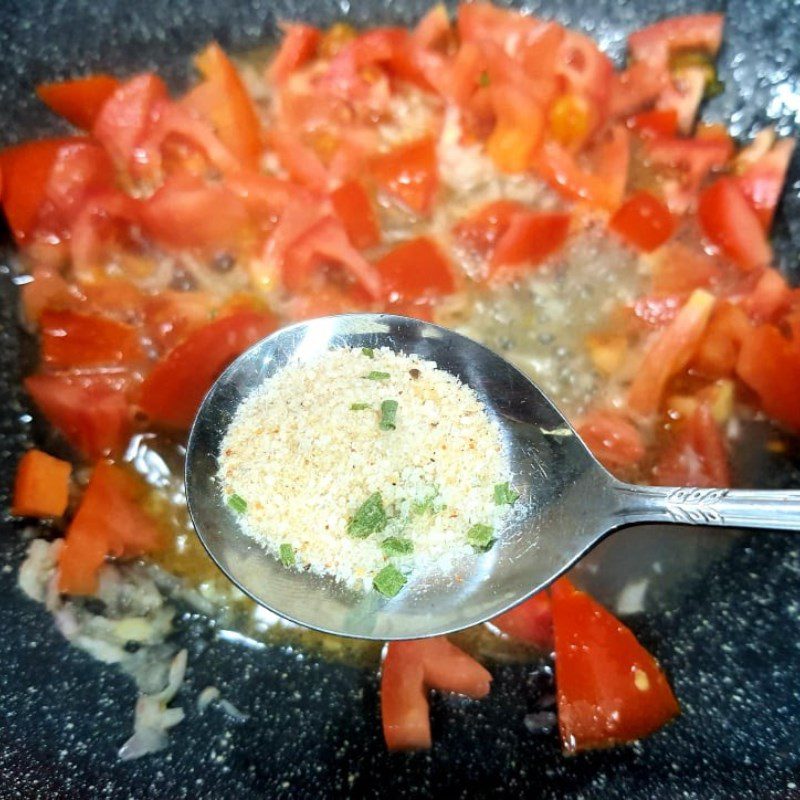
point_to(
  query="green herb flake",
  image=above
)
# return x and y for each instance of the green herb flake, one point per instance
(397, 546)
(481, 537)
(368, 352)
(369, 518)
(388, 415)
(377, 376)
(237, 503)
(426, 506)
(389, 581)
(359, 406)
(504, 495)
(483, 79)
(286, 555)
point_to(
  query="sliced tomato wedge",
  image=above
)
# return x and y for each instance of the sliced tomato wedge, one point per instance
(670, 351)
(530, 622)
(643, 221)
(354, 208)
(415, 270)
(728, 220)
(529, 239)
(409, 670)
(70, 339)
(92, 414)
(78, 100)
(769, 364)
(298, 46)
(762, 181)
(173, 391)
(410, 173)
(719, 348)
(614, 440)
(609, 689)
(41, 486)
(110, 521)
(655, 43)
(299, 160)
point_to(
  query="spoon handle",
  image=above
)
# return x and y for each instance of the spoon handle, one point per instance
(731, 508)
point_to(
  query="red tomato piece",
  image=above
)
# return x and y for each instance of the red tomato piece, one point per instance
(684, 94)
(41, 486)
(266, 197)
(587, 71)
(529, 239)
(299, 160)
(679, 270)
(48, 289)
(530, 622)
(410, 173)
(609, 688)
(698, 455)
(170, 316)
(771, 296)
(299, 45)
(70, 339)
(415, 270)
(730, 223)
(669, 352)
(78, 100)
(110, 521)
(769, 364)
(615, 442)
(433, 29)
(518, 129)
(655, 123)
(643, 221)
(635, 89)
(354, 208)
(173, 391)
(409, 670)
(719, 348)
(93, 416)
(481, 231)
(655, 43)
(762, 182)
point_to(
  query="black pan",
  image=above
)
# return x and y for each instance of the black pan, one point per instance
(723, 616)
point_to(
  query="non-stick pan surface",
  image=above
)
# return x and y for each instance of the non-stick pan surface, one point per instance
(728, 634)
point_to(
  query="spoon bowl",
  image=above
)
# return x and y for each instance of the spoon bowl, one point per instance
(568, 502)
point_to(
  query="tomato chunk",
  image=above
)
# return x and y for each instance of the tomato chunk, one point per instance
(481, 230)
(70, 339)
(609, 688)
(110, 521)
(415, 270)
(658, 122)
(354, 208)
(719, 348)
(644, 221)
(529, 239)
(298, 46)
(762, 182)
(79, 100)
(173, 391)
(41, 487)
(531, 621)
(656, 42)
(612, 438)
(93, 415)
(410, 173)
(409, 670)
(730, 223)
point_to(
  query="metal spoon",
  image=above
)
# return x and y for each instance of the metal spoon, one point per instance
(568, 501)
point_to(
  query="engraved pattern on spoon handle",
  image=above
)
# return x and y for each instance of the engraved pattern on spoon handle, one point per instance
(733, 508)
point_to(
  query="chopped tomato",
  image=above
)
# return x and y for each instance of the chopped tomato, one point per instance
(41, 486)
(70, 339)
(266, 197)
(187, 211)
(762, 181)
(634, 89)
(299, 160)
(658, 122)
(569, 121)
(47, 289)
(771, 296)
(518, 129)
(110, 521)
(670, 351)
(719, 348)
(415, 270)
(655, 43)
(529, 239)
(684, 94)
(679, 270)
(433, 29)
(173, 391)
(298, 46)
(587, 71)
(644, 221)
(481, 231)
(769, 364)
(354, 208)
(697, 456)
(615, 442)
(93, 416)
(530, 622)
(78, 100)
(730, 223)
(170, 316)
(410, 173)
(609, 688)
(409, 670)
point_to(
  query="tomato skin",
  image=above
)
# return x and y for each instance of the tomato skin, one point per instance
(730, 223)
(299, 160)
(531, 621)
(299, 45)
(655, 123)
(615, 442)
(78, 100)
(93, 416)
(415, 270)
(656, 42)
(530, 238)
(643, 221)
(354, 208)
(110, 521)
(41, 486)
(70, 339)
(409, 670)
(634, 89)
(609, 688)
(410, 173)
(173, 391)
